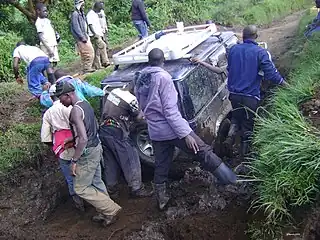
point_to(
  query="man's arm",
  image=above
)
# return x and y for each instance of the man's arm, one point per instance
(76, 117)
(76, 27)
(89, 90)
(270, 71)
(169, 99)
(46, 131)
(143, 13)
(16, 62)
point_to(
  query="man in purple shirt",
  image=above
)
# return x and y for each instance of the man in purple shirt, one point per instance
(157, 97)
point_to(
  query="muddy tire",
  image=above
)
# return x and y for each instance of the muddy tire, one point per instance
(140, 137)
(221, 137)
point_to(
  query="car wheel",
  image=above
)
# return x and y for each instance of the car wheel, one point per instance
(221, 137)
(143, 143)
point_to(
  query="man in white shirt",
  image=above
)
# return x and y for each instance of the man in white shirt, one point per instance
(55, 130)
(46, 33)
(37, 62)
(96, 34)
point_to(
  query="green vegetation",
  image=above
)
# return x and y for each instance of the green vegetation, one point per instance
(161, 13)
(287, 145)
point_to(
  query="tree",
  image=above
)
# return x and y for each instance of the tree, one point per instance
(27, 7)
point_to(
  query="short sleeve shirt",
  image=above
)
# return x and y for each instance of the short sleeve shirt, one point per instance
(93, 19)
(44, 26)
(28, 53)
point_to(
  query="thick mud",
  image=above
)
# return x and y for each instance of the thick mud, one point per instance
(34, 202)
(311, 109)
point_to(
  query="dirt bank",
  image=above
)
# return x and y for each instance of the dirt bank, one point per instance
(35, 206)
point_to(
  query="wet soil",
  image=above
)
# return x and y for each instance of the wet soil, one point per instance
(34, 202)
(311, 109)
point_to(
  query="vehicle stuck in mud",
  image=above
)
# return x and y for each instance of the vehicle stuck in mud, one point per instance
(202, 93)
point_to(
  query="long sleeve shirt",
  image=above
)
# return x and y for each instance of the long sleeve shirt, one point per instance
(79, 28)
(158, 98)
(82, 89)
(244, 63)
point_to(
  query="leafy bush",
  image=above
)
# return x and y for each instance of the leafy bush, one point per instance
(287, 166)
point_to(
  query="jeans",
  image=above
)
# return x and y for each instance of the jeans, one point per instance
(141, 26)
(164, 153)
(89, 185)
(243, 114)
(120, 155)
(35, 75)
(65, 168)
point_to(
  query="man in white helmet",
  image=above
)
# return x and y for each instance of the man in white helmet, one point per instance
(56, 131)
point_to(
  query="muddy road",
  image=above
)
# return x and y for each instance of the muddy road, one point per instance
(34, 202)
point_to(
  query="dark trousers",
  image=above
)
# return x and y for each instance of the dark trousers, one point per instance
(243, 114)
(164, 153)
(119, 154)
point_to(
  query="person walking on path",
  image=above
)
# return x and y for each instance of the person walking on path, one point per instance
(55, 131)
(37, 62)
(79, 30)
(87, 157)
(167, 129)
(139, 18)
(121, 107)
(245, 61)
(47, 35)
(96, 33)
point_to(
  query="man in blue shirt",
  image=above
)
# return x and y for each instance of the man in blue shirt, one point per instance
(245, 61)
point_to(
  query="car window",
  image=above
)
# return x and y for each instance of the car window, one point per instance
(202, 85)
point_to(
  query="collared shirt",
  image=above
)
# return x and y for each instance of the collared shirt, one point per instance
(94, 20)
(28, 53)
(54, 119)
(44, 26)
(244, 64)
(158, 99)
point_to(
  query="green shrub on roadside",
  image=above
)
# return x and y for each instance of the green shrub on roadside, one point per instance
(287, 166)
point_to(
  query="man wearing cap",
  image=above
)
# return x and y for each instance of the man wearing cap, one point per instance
(37, 62)
(96, 34)
(55, 131)
(82, 88)
(245, 61)
(79, 30)
(86, 160)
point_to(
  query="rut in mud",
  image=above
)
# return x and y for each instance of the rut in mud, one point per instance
(34, 205)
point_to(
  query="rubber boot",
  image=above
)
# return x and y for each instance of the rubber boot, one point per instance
(113, 192)
(244, 149)
(161, 195)
(225, 175)
(228, 143)
(141, 193)
(78, 203)
(106, 220)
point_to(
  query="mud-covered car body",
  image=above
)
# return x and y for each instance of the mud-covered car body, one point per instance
(202, 93)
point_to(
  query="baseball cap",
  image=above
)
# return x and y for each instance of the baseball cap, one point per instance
(63, 87)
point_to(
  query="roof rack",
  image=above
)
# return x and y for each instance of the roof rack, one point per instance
(175, 43)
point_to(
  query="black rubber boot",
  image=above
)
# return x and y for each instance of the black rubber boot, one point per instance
(225, 175)
(228, 143)
(161, 195)
(113, 192)
(141, 193)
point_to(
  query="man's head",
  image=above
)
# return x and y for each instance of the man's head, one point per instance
(79, 5)
(59, 73)
(42, 10)
(98, 6)
(156, 57)
(65, 92)
(20, 43)
(250, 32)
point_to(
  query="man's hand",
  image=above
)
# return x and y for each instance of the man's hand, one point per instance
(192, 144)
(19, 80)
(194, 60)
(68, 143)
(46, 86)
(83, 40)
(73, 169)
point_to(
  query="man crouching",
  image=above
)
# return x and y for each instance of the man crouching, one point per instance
(121, 108)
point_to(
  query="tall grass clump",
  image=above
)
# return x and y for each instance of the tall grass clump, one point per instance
(287, 146)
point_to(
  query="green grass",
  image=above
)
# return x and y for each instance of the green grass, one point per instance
(287, 165)
(8, 90)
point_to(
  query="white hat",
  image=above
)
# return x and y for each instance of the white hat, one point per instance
(52, 89)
